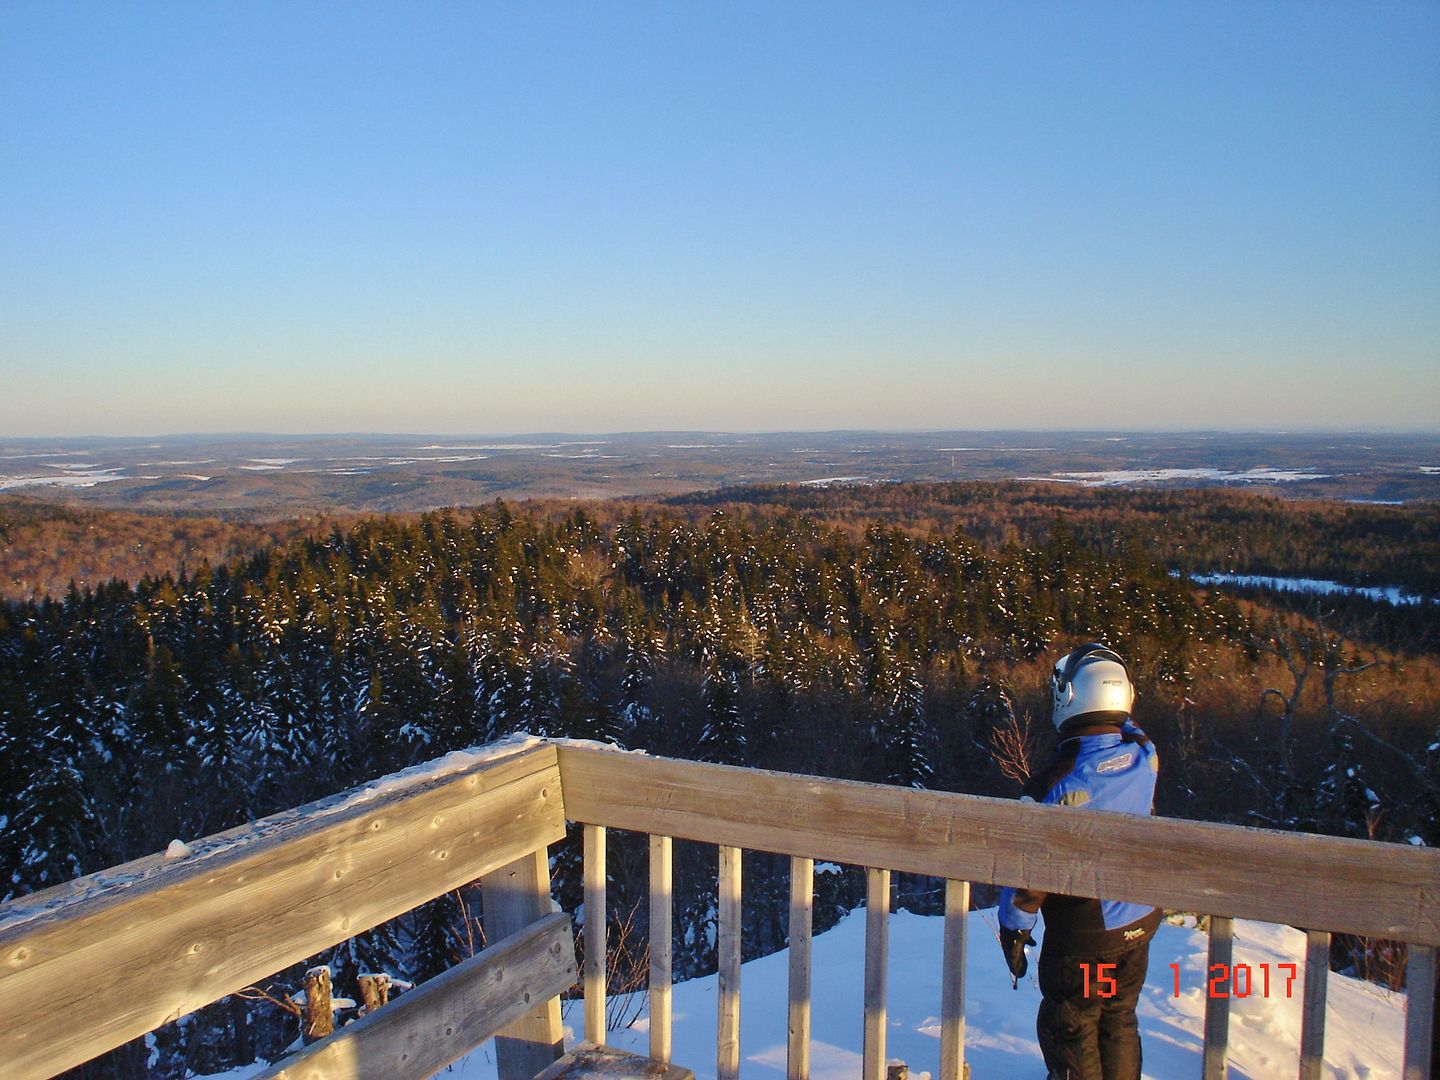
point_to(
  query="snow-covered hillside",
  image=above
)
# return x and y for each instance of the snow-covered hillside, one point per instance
(1364, 1024)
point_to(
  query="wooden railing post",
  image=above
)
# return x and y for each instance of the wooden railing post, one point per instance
(1217, 1008)
(1419, 1012)
(952, 984)
(1312, 1016)
(802, 892)
(727, 1041)
(595, 934)
(514, 897)
(660, 907)
(877, 956)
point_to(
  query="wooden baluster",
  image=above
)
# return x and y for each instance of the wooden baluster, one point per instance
(517, 895)
(1217, 1009)
(660, 867)
(877, 949)
(952, 984)
(595, 934)
(727, 1041)
(1419, 1012)
(802, 892)
(1312, 1016)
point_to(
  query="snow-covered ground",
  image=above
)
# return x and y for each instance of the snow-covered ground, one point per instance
(82, 476)
(1364, 1024)
(827, 481)
(1391, 593)
(1262, 474)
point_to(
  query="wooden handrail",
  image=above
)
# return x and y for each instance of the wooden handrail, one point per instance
(1228, 870)
(92, 964)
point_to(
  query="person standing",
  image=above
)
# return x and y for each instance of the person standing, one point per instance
(1095, 953)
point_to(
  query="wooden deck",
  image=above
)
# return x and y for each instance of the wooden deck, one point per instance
(96, 962)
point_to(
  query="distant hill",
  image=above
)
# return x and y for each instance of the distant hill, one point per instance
(44, 546)
(270, 476)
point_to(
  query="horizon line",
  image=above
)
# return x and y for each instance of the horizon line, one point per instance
(536, 434)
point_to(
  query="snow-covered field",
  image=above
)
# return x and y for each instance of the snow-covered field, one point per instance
(1364, 1024)
(1262, 474)
(1319, 586)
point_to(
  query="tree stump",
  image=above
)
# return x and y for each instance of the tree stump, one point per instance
(374, 992)
(318, 1019)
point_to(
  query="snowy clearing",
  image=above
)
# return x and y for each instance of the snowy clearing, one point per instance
(1364, 1024)
(495, 446)
(1389, 593)
(1117, 477)
(77, 479)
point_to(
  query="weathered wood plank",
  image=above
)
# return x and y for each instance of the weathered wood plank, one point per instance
(661, 865)
(440, 1021)
(590, 1062)
(877, 962)
(1312, 1010)
(595, 934)
(1217, 1009)
(802, 913)
(1419, 1012)
(517, 896)
(952, 985)
(727, 1041)
(1193, 866)
(97, 963)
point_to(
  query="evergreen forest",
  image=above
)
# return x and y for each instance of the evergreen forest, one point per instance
(905, 642)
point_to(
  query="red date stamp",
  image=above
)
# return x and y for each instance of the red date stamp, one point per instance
(1224, 981)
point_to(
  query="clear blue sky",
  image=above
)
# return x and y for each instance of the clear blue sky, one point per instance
(487, 217)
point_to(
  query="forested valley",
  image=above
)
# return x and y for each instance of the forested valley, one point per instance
(893, 635)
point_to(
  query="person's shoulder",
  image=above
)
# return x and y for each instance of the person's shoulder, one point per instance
(1043, 784)
(1134, 734)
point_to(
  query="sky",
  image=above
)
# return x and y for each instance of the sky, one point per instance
(486, 218)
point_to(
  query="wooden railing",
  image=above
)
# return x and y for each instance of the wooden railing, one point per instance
(1323, 884)
(95, 963)
(88, 966)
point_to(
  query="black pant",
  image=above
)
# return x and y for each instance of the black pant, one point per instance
(1090, 1036)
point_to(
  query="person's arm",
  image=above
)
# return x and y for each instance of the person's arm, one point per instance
(1019, 907)
(1018, 913)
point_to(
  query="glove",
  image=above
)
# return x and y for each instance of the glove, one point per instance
(1012, 943)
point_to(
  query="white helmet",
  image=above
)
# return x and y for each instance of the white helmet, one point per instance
(1091, 679)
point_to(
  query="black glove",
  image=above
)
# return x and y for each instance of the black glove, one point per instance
(1013, 943)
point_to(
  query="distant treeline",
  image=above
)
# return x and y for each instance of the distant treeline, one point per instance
(44, 546)
(1195, 529)
(182, 705)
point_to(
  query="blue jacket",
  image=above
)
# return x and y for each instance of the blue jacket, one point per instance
(1111, 770)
